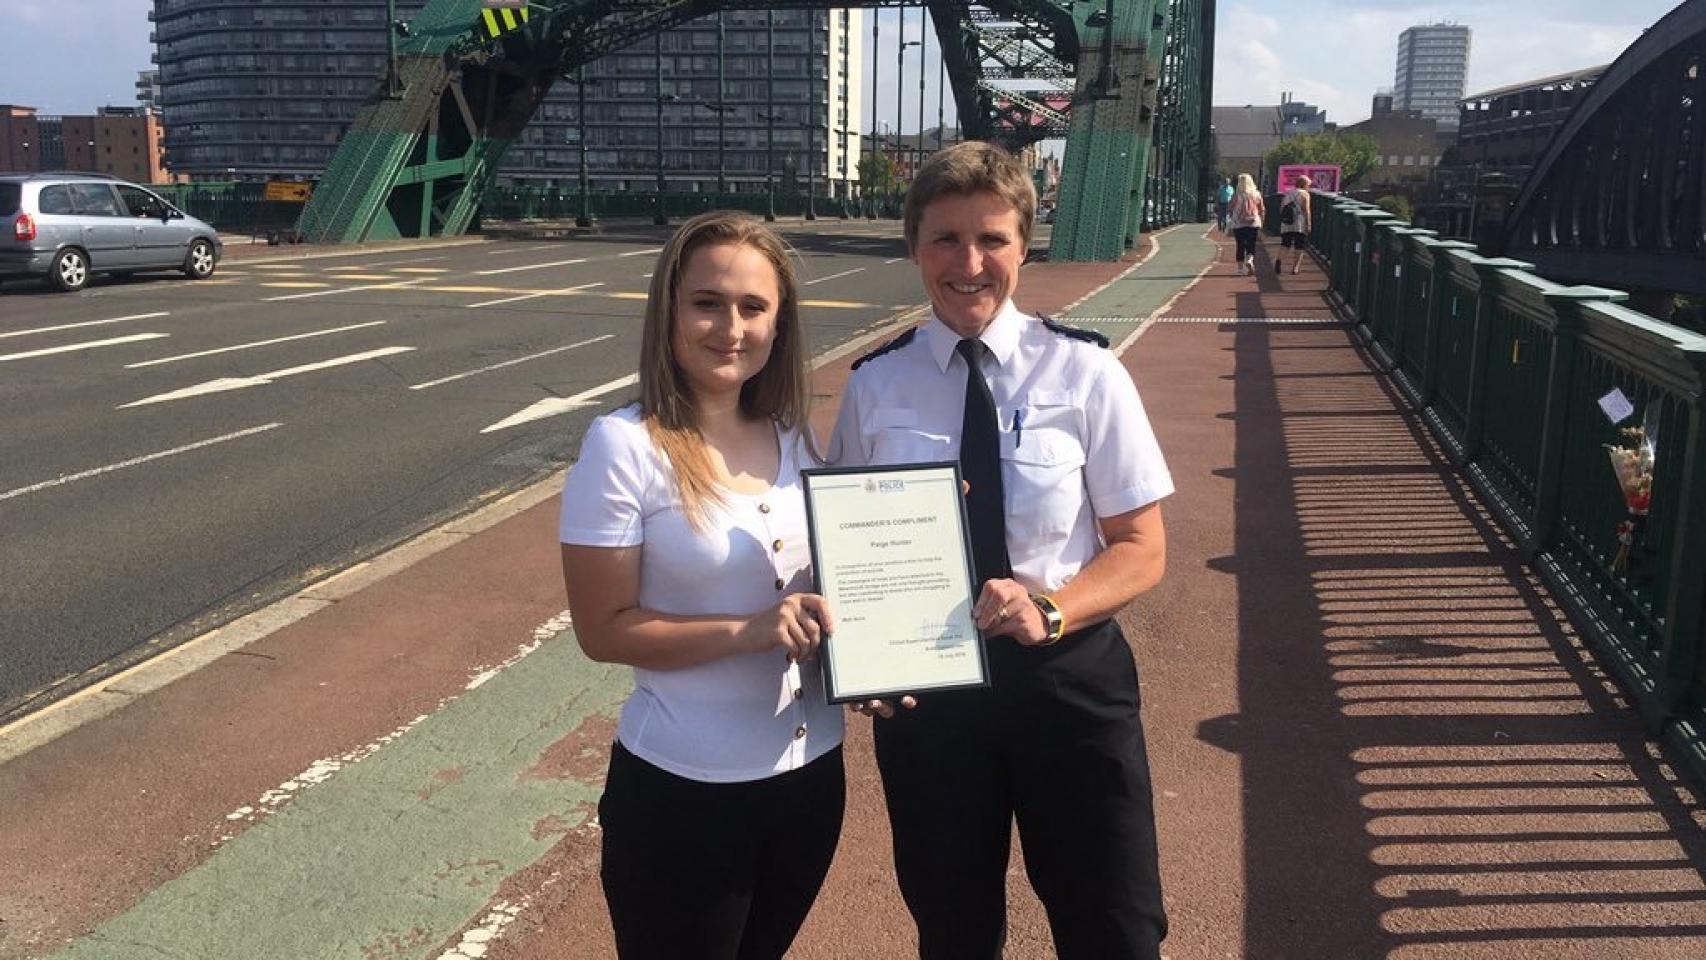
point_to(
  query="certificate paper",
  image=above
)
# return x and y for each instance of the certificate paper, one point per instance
(890, 554)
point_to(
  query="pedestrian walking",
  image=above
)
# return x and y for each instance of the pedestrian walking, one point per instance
(1248, 212)
(685, 555)
(1223, 203)
(1064, 478)
(1295, 216)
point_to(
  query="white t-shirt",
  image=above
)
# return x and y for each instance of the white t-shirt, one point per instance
(1076, 445)
(742, 717)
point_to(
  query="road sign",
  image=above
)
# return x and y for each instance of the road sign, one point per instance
(1322, 176)
(288, 191)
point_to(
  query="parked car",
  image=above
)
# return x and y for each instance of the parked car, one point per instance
(66, 227)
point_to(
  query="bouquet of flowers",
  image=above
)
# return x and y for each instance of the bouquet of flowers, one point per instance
(1632, 460)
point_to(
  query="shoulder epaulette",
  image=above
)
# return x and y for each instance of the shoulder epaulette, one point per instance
(889, 347)
(1076, 333)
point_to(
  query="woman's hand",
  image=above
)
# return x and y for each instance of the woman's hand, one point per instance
(1004, 609)
(798, 625)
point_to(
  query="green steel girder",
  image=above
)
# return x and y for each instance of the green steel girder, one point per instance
(416, 164)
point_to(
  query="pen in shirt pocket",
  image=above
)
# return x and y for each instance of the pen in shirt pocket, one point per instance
(1018, 427)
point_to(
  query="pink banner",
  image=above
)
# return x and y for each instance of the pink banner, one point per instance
(1322, 176)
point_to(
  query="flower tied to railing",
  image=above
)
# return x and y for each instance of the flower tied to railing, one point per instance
(1632, 460)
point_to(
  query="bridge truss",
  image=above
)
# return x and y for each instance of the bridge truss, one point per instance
(1619, 198)
(1129, 93)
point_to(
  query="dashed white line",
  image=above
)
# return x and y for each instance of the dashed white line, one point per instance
(248, 346)
(86, 323)
(529, 266)
(109, 468)
(85, 345)
(509, 363)
(834, 276)
(241, 383)
(534, 296)
(894, 260)
(640, 253)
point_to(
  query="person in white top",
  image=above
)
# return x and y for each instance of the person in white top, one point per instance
(1064, 478)
(685, 555)
(1295, 215)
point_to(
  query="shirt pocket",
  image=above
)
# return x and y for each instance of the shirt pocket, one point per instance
(897, 437)
(1042, 467)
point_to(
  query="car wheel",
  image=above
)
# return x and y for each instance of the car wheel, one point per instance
(70, 270)
(199, 263)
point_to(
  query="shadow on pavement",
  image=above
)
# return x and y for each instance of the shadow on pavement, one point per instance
(1432, 766)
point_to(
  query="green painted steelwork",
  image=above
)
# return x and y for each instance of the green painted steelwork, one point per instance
(1507, 369)
(418, 163)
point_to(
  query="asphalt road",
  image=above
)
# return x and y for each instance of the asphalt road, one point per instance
(175, 454)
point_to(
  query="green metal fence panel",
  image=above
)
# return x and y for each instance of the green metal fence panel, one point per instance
(1515, 373)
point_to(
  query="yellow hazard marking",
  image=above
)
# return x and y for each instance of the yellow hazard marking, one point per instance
(837, 304)
(365, 276)
(295, 285)
(496, 23)
(420, 270)
(626, 296)
(276, 266)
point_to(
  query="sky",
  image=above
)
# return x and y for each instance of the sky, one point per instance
(1332, 53)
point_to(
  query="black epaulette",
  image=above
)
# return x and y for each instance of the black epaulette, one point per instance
(1076, 333)
(889, 347)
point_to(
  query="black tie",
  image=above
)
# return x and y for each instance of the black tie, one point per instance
(980, 464)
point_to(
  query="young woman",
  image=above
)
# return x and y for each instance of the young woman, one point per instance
(1248, 212)
(685, 556)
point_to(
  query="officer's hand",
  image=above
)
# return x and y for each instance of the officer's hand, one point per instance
(1004, 609)
(880, 708)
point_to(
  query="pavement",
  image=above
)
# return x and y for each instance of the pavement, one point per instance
(1372, 734)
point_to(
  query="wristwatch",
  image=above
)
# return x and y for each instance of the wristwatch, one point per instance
(1054, 622)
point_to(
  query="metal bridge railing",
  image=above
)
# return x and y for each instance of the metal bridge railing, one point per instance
(1514, 374)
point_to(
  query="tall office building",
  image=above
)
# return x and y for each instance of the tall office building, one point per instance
(267, 90)
(1433, 65)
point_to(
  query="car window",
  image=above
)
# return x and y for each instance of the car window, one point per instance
(10, 193)
(139, 202)
(95, 200)
(55, 199)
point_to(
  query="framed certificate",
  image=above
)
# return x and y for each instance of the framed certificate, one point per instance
(891, 554)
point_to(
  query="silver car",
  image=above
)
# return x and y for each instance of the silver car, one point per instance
(65, 227)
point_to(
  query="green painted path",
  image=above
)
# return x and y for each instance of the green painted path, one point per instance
(1119, 309)
(394, 854)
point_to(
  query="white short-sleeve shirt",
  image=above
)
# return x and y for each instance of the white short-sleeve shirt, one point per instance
(1075, 442)
(738, 718)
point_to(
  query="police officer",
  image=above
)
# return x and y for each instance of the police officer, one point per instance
(1064, 479)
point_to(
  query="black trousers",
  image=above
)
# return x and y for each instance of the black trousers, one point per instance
(1246, 238)
(715, 871)
(1055, 742)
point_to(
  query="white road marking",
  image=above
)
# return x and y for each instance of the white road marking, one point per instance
(369, 286)
(895, 260)
(534, 296)
(86, 323)
(421, 270)
(242, 383)
(640, 253)
(109, 468)
(86, 345)
(247, 346)
(556, 406)
(503, 251)
(529, 266)
(645, 276)
(509, 363)
(834, 276)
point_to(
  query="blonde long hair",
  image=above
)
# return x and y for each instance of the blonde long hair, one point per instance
(778, 392)
(1248, 185)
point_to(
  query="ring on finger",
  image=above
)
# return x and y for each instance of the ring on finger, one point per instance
(1002, 613)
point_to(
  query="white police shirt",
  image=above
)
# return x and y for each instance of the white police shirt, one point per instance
(1075, 442)
(737, 718)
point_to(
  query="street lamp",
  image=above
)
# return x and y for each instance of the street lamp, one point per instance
(722, 112)
(660, 216)
(923, 60)
(900, 85)
(770, 128)
(393, 27)
(585, 217)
